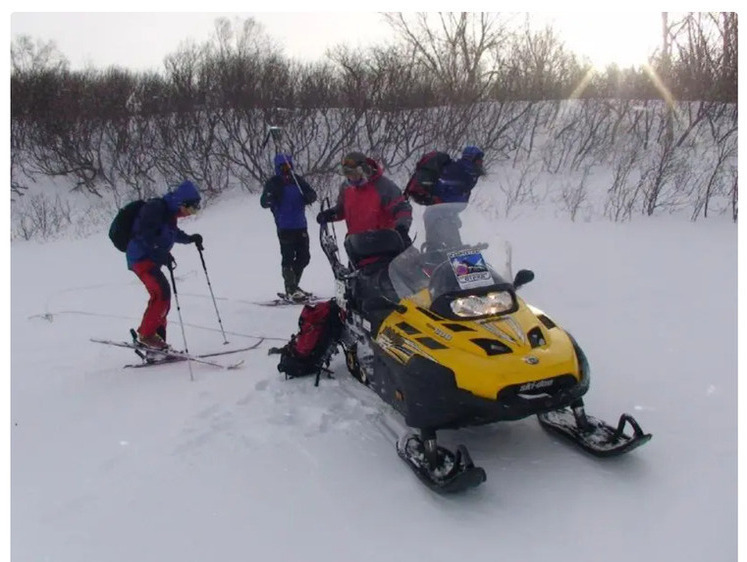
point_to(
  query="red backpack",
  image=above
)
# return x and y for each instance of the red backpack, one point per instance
(309, 351)
(427, 171)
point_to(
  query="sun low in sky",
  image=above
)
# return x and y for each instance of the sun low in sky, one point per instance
(142, 40)
(622, 38)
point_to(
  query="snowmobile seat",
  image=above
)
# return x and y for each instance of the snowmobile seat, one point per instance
(372, 288)
(385, 243)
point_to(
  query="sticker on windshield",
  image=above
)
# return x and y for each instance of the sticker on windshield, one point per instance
(470, 269)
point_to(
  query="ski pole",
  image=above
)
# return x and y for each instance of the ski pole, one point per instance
(204, 268)
(181, 323)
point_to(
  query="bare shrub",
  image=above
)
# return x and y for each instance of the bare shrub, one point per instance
(722, 171)
(518, 191)
(574, 195)
(623, 196)
(40, 216)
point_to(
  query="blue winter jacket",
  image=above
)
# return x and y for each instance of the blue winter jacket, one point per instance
(283, 197)
(154, 231)
(456, 182)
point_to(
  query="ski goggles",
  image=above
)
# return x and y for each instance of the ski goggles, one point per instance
(352, 168)
(351, 171)
(192, 206)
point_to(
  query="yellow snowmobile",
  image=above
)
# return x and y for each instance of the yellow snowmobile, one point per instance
(444, 338)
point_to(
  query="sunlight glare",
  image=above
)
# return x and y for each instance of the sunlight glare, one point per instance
(625, 39)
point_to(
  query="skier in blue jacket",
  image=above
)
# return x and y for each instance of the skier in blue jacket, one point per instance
(459, 177)
(286, 194)
(154, 233)
(454, 185)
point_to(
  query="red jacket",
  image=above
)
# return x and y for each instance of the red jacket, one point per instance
(374, 205)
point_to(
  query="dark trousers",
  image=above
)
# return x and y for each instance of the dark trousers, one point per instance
(294, 249)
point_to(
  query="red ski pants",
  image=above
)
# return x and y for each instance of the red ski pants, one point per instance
(154, 319)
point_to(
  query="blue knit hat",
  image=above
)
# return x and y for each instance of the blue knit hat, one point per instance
(472, 153)
(281, 160)
(185, 194)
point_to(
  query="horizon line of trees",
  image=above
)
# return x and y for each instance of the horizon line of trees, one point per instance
(452, 58)
(471, 78)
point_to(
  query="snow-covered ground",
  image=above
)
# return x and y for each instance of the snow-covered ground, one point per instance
(118, 465)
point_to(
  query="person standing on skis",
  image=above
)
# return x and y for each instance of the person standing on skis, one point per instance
(154, 233)
(286, 194)
(368, 200)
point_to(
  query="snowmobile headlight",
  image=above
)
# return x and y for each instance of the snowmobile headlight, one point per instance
(491, 303)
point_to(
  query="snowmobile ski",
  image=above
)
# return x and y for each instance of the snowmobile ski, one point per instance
(455, 472)
(593, 435)
(179, 355)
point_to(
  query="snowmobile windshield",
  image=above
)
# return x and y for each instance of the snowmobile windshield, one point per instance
(457, 263)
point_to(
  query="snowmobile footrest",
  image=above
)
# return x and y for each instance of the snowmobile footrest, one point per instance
(595, 437)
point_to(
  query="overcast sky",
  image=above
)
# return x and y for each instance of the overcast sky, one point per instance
(141, 40)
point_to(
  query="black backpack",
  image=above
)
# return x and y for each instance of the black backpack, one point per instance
(427, 171)
(309, 351)
(120, 231)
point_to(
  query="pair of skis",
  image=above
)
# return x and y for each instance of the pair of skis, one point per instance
(172, 356)
(285, 300)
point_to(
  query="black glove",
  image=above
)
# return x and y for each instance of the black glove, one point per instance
(402, 231)
(197, 240)
(170, 262)
(325, 216)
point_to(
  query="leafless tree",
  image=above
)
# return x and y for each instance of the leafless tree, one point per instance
(574, 196)
(42, 216)
(519, 189)
(535, 65)
(722, 170)
(29, 56)
(450, 79)
(456, 47)
(623, 194)
(734, 193)
(700, 55)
